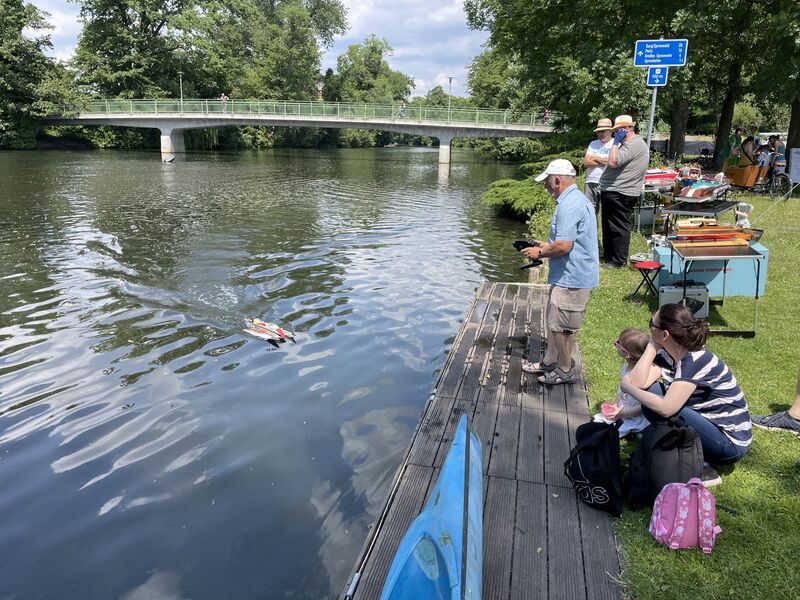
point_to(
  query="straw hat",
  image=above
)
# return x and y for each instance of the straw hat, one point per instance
(624, 121)
(603, 125)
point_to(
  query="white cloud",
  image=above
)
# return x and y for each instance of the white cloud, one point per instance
(63, 16)
(430, 38)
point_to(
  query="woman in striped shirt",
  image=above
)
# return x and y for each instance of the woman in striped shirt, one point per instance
(701, 390)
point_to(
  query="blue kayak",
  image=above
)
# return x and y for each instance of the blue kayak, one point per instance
(441, 554)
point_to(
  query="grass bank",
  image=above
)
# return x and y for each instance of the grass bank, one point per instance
(757, 554)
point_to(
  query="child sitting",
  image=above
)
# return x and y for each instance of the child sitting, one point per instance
(630, 345)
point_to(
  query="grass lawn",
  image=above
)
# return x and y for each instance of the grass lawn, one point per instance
(758, 504)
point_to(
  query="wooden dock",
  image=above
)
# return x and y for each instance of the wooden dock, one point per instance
(539, 540)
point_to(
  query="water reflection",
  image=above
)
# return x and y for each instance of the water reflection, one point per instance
(139, 424)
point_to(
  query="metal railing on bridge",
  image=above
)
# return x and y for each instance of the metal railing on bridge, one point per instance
(287, 108)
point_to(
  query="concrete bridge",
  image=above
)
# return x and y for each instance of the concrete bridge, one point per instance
(173, 117)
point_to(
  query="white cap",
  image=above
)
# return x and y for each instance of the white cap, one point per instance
(559, 166)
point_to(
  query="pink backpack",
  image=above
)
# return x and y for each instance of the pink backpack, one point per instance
(684, 516)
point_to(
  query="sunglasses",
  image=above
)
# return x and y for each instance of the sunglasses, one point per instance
(622, 349)
(653, 325)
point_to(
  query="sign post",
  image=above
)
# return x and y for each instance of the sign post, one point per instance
(657, 56)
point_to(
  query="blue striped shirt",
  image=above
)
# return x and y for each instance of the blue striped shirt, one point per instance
(717, 397)
(574, 220)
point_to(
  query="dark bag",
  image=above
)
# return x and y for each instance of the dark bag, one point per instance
(668, 453)
(594, 466)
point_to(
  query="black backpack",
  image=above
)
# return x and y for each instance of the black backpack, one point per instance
(594, 466)
(668, 453)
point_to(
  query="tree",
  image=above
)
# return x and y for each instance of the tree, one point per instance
(286, 64)
(23, 70)
(363, 75)
(494, 80)
(328, 17)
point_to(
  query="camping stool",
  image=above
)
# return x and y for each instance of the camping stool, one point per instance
(648, 269)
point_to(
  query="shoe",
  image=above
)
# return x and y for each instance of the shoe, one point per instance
(558, 377)
(543, 367)
(779, 421)
(710, 477)
(612, 265)
(540, 367)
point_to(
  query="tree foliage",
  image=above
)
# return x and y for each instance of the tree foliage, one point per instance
(364, 75)
(24, 72)
(578, 62)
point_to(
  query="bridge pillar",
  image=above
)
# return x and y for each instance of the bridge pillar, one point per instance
(172, 142)
(444, 148)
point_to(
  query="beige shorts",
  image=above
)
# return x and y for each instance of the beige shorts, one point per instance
(566, 307)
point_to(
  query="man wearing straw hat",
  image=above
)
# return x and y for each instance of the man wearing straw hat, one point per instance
(595, 161)
(620, 186)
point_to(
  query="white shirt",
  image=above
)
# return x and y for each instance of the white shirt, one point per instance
(597, 148)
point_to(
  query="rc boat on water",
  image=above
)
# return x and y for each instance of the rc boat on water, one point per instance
(267, 331)
(441, 554)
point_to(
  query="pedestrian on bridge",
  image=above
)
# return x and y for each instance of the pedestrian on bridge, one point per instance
(574, 271)
(621, 184)
(224, 99)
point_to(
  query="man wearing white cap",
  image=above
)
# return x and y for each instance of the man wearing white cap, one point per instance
(595, 161)
(620, 186)
(573, 273)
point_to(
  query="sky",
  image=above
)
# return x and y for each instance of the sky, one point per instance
(430, 38)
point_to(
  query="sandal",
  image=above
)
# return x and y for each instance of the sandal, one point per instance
(540, 367)
(558, 377)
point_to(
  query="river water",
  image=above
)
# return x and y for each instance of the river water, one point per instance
(148, 447)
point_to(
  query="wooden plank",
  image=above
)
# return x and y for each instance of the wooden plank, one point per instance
(498, 534)
(459, 408)
(450, 378)
(529, 565)
(405, 506)
(564, 557)
(530, 454)
(518, 343)
(601, 568)
(531, 395)
(429, 437)
(577, 400)
(556, 447)
(479, 306)
(555, 398)
(497, 362)
(506, 442)
(471, 383)
(483, 421)
(576, 396)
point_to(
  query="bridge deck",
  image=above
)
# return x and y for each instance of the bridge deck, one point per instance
(539, 540)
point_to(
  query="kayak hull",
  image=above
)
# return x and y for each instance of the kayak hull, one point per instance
(441, 554)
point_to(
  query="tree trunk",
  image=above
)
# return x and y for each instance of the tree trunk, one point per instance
(726, 118)
(793, 139)
(679, 117)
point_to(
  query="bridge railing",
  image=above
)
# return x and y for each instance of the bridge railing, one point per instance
(336, 110)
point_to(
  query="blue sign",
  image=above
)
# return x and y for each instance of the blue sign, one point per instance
(657, 76)
(660, 53)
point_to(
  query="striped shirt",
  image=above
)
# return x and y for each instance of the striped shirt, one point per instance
(717, 397)
(574, 220)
